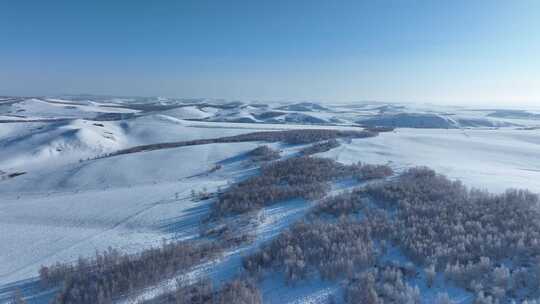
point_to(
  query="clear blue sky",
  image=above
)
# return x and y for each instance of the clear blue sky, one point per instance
(432, 51)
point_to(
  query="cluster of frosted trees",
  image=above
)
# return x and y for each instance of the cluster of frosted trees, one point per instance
(111, 274)
(333, 249)
(368, 171)
(336, 249)
(297, 177)
(467, 234)
(278, 181)
(320, 147)
(203, 292)
(488, 244)
(342, 204)
(381, 285)
(263, 153)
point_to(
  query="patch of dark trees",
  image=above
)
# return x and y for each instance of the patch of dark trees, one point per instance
(343, 204)
(320, 147)
(5, 175)
(15, 174)
(379, 129)
(298, 177)
(113, 116)
(370, 172)
(110, 275)
(263, 153)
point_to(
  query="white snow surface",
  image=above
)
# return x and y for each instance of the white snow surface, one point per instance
(487, 159)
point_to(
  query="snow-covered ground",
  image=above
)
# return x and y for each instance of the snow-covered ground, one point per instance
(488, 159)
(127, 202)
(66, 206)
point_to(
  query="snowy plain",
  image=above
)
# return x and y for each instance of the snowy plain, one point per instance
(492, 160)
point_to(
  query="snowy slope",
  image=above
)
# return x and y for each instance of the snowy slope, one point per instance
(190, 112)
(59, 108)
(25, 146)
(129, 202)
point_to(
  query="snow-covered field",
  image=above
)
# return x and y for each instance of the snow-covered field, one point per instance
(487, 159)
(68, 204)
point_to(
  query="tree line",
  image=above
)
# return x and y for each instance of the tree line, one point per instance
(320, 147)
(296, 177)
(110, 274)
(300, 136)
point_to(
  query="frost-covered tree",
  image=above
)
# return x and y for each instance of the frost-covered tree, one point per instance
(443, 298)
(387, 285)
(430, 275)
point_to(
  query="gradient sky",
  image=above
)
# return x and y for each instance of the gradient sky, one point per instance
(422, 51)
